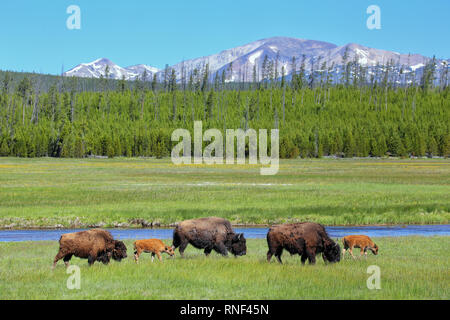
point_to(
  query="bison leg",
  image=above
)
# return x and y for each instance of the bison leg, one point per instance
(364, 251)
(137, 253)
(269, 255)
(272, 251)
(58, 257)
(311, 252)
(66, 259)
(103, 258)
(278, 254)
(220, 248)
(304, 257)
(279, 258)
(208, 251)
(91, 260)
(183, 246)
(351, 252)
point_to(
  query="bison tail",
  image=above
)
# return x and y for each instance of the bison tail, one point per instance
(176, 242)
(269, 241)
(59, 241)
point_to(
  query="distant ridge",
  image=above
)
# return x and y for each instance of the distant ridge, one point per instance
(245, 58)
(96, 69)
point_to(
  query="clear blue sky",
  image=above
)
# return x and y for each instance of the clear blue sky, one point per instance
(34, 36)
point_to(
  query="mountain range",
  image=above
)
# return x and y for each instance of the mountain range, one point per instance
(244, 58)
(97, 69)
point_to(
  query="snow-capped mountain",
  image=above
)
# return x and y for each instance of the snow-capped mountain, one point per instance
(315, 52)
(139, 70)
(242, 66)
(97, 69)
(278, 50)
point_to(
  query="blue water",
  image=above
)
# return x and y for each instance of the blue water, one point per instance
(256, 233)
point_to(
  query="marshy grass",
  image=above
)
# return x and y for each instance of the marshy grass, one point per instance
(49, 192)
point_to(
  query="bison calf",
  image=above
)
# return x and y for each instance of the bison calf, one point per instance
(359, 241)
(94, 244)
(153, 246)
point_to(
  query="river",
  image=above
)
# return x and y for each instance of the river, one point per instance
(250, 233)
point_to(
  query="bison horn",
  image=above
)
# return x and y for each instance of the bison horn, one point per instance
(237, 237)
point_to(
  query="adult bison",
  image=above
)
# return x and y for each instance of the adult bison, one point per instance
(209, 234)
(305, 239)
(94, 244)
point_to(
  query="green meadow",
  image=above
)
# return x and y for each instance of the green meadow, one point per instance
(51, 192)
(123, 192)
(410, 268)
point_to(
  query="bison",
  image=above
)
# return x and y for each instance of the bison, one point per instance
(209, 234)
(305, 239)
(154, 246)
(94, 244)
(359, 241)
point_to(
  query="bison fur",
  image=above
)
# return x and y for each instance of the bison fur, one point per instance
(305, 239)
(210, 233)
(94, 245)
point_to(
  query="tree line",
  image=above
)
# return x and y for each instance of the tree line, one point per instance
(319, 113)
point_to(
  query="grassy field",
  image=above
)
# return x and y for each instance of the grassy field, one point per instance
(48, 192)
(411, 268)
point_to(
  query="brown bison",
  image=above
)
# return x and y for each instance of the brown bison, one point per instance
(94, 244)
(359, 241)
(153, 246)
(209, 234)
(305, 239)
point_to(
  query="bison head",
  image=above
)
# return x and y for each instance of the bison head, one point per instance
(169, 250)
(120, 250)
(238, 244)
(374, 249)
(332, 252)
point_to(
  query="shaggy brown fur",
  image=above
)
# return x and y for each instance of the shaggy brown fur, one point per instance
(94, 244)
(359, 241)
(153, 246)
(305, 239)
(209, 234)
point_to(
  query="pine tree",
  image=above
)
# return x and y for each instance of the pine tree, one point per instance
(4, 148)
(154, 82)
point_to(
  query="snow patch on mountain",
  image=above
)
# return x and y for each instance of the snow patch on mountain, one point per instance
(254, 56)
(417, 66)
(273, 48)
